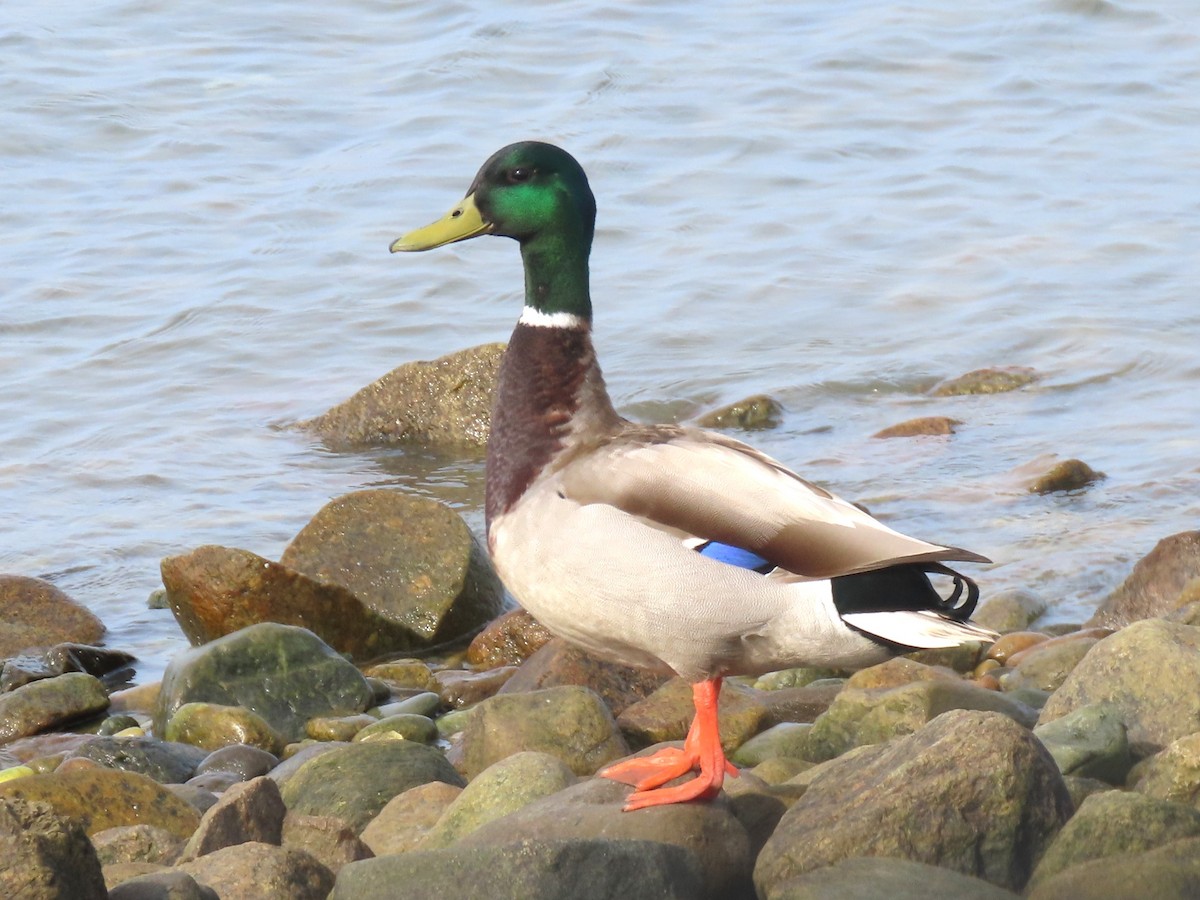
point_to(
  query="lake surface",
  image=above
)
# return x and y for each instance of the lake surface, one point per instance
(838, 203)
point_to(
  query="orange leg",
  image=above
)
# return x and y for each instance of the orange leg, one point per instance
(701, 750)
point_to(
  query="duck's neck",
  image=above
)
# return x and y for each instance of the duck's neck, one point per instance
(556, 274)
(550, 394)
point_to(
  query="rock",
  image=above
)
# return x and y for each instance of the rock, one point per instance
(801, 704)
(997, 380)
(98, 798)
(42, 705)
(708, 831)
(241, 759)
(211, 726)
(444, 402)
(404, 821)
(1173, 774)
(1067, 475)
(871, 715)
(261, 871)
(750, 414)
(569, 722)
(971, 791)
(1008, 611)
(502, 788)
(217, 782)
(34, 613)
(458, 688)
(788, 739)
(139, 699)
(1089, 742)
(1115, 823)
(113, 724)
(508, 640)
(778, 769)
(60, 659)
(425, 703)
(1046, 666)
(214, 591)
(137, 843)
(355, 781)
(403, 673)
(1170, 872)
(559, 663)
(925, 425)
(667, 713)
(248, 811)
(596, 868)
(44, 856)
(1158, 584)
(793, 678)
(164, 761)
(198, 798)
(400, 727)
(167, 885)
(337, 728)
(1015, 642)
(1148, 671)
(410, 560)
(294, 762)
(285, 674)
(870, 878)
(328, 839)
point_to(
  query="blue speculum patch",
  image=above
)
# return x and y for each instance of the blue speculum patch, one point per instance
(734, 556)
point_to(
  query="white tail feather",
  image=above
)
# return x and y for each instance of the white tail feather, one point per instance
(919, 628)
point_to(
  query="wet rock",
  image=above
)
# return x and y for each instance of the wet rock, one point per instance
(595, 868)
(1047, 666)
(793, 678)
(802, 704)
(261, 871)
(1163, 580)
(981, 792)
(198, 798)
(285, 674)
(1066, 475)
(60, 659)
(1010, 611)
(114, 724)
(139, 699)
(409, 559)
(44, 856)
(426, 703)
(248, 811)
(750, 414)
(788, 739)
(458, 688)
(241, 759)
(502, 788)
(925, 425)
(98, 798)
(1173, 774)
(137, 843)
(559, 663)
(164, 761)
(167, 885)
(42, 705)
(1112, 824)
(667, 713)
(569, 722)
(509, 640)
(214, 591)
(34, 613)
(1089, 742)
(872, 715)
(871, 878)
(354, 782)
(1170, 872)
(328, 839)
(998, 380)
(778, 769)
(212, 726)
(708, 831)
(401, 727)
(447, 401)
(403, 673)
(337, 728)
(407, 818)
(1014, 642)
(1148, 671)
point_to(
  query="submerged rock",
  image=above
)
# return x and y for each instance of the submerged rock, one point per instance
(1067, 475)
(446, 401)
(925, 425)
(35, 613)
(1166, 578)
(986, 381)
(60, 659)
(751, 413)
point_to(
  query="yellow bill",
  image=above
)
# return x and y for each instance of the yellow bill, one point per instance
(462, 222)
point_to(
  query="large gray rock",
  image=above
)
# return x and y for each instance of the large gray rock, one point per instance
(979, 790)
(285, 674)
(1170, 872)
(447, 402)
(34, 613)
(1089, 743)
(261, 871)
(592, 868)
(1148, 672)
(44, 856)
(876, 877)
(1173, 774)
(164, 761)
(1165, 579)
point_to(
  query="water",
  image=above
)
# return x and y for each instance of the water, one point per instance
(838, 203)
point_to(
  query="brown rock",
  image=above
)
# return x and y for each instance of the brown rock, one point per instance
(996, 380)
(459, 688)
(248, 811)
(751, 413)
(925, 425)
(508, 640)
(137, 843)
(1068, 475)
(1158, 584)
(1013, 643)
(667, 713)
(261, 871)
(898, 671)
(34, 613)
(407, 818)
(560, 662)
(800, 704)
(330, 840)
(44, 856)
(126, 882)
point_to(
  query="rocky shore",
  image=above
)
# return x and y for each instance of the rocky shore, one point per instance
(366, 718)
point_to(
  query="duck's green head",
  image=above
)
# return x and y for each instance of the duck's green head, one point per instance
(524, 191)
(537, 194)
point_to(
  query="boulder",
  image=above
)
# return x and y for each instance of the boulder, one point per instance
(43, 705)
(1013, 610)
(1166, 578)
(211, 726)
(1170, 872)
(404, 821)
(874, 877)
(137, 844)
(1065, 475)
(330, 840)
(261, 871)
(165, 885)
(509, 640)
(34, 613)
(45, 856)
(248, 811)
(1089, 743)
(1173, 774)
(60, 659)
(996, 380)
(164, 761)
(667, 714)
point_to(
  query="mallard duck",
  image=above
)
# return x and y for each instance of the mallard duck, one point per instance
(663, 544)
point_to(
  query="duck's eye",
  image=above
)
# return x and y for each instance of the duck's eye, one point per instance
(519, 174)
